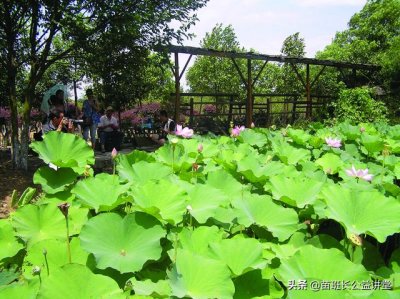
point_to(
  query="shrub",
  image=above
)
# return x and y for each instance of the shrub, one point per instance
(357, 105)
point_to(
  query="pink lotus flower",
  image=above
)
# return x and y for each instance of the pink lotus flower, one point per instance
(114, 153)
(360, 173)
(184, 132)
(333, 142)
(200, 148)
(236, 131)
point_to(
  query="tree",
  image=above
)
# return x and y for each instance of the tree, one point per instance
(293, 46)
(372, 37)
(216, 74)
(29, 29)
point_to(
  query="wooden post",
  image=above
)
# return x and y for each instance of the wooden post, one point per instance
(177, 87)
(191, 112)
(249, 103)
(308, 93)
(268, 111)
(230, 109)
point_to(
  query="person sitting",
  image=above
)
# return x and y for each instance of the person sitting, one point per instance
(108, 131)
(56, 122)
(168, 127)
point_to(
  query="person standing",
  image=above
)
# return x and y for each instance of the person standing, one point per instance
(108, 130)
(90, 117)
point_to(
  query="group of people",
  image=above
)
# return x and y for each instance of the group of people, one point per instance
(59, 117)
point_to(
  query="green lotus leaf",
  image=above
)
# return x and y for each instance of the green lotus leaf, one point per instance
(368, 255)
(56, 256)
(124, 244)
(225, 182)
(204, 201)
(291, 155)
(351, 152)
(102, 193)
(76, 281)
(163, 200)
(324, 241)
(159, 289)
(299, 136)
(36, 223)
(253, 138)
(142, 171)
(397, 171)
(54, 181)
(313, 264)
(316, 142)
(175, 155)
(255, 170)
(197, 240)
(200, 277)
(240, 254)
(9, 245)
(297, 191)
(351, 132)
(363, 212)
(372, 143)
(261, 210)
(330, 163)
(23, 290)
(64, 150)
(134, 157)
(253, 285)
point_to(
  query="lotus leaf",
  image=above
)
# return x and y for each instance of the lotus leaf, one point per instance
(200, 277)
(64, 150)
(102, 193)
(76, 281)
(124, 244)
(54, 181)
(9, 245)
(261, 210)
(161, 199)
(363, 212)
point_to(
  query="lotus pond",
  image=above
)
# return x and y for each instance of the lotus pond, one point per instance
(263, 214)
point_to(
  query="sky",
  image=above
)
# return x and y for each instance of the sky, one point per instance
(264, 24)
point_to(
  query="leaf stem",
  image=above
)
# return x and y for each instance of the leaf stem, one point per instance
(68, 243)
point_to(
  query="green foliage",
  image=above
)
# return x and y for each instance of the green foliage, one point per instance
(215, 74)
(256, 214)
(357, 106)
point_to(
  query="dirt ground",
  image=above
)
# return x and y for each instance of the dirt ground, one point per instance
(11, 179)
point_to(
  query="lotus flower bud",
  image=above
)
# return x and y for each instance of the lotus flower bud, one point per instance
(200, 148)
(174, 141)
(189, 208)
(252, 125)
(114, 153)
(36, 270)
(64, 208)
(195, 166)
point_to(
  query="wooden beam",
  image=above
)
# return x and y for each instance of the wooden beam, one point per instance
(249, 102)
(177, 88)
(239, 71)
(255, 56)
(294, 67)
(259, 73)
(317, 76)
(184, 68)
(308, 92)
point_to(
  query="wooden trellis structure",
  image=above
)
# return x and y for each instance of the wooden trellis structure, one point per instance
(249, 81)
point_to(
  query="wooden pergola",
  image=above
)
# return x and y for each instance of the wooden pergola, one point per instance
(249, 81)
